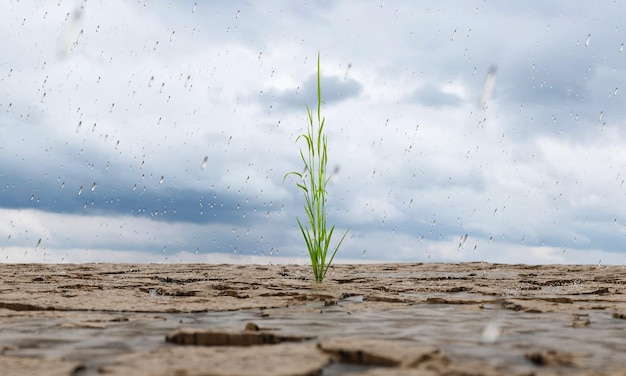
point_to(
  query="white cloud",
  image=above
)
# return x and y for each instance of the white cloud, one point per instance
(538, 171)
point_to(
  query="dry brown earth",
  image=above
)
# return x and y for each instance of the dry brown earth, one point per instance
(386, 319)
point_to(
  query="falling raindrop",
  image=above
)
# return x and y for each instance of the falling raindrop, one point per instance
(237, 15)
(80, 190)
(93, 186)
(488, 86)
(588, 40)
(205, 161)
(453, 35)
(38, 244)
(161, 180)
(462, 241)
(172, 36)
(363, 255)
(490, 239)
(621, 48)
(600, 117)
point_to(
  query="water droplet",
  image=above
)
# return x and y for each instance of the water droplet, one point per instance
(462, 241)
(80, 190)
(490, 239)
(205, 161)
(453, 35)
(237, 15)
(363, 255)
(164, 248)
(621, 48)
(32, 197)
(93, 186)
(588, 40)
(172, 36)
(38, 244)
(600, 117)
(78, 126)
(161, 180)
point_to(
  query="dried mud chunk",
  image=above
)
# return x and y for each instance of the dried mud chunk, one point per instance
(619, 315)
(383, 298)
(216, 337)
(395, 372)
(381, 352)
(551, 358)
(279, 360)
(17, 366)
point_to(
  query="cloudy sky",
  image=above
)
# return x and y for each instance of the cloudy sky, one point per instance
(148, 131)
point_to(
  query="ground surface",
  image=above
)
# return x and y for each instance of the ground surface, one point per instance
(391, 319)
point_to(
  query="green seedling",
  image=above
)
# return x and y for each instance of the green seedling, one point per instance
(312, 182)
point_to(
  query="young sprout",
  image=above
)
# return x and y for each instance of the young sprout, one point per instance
(312, 183)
